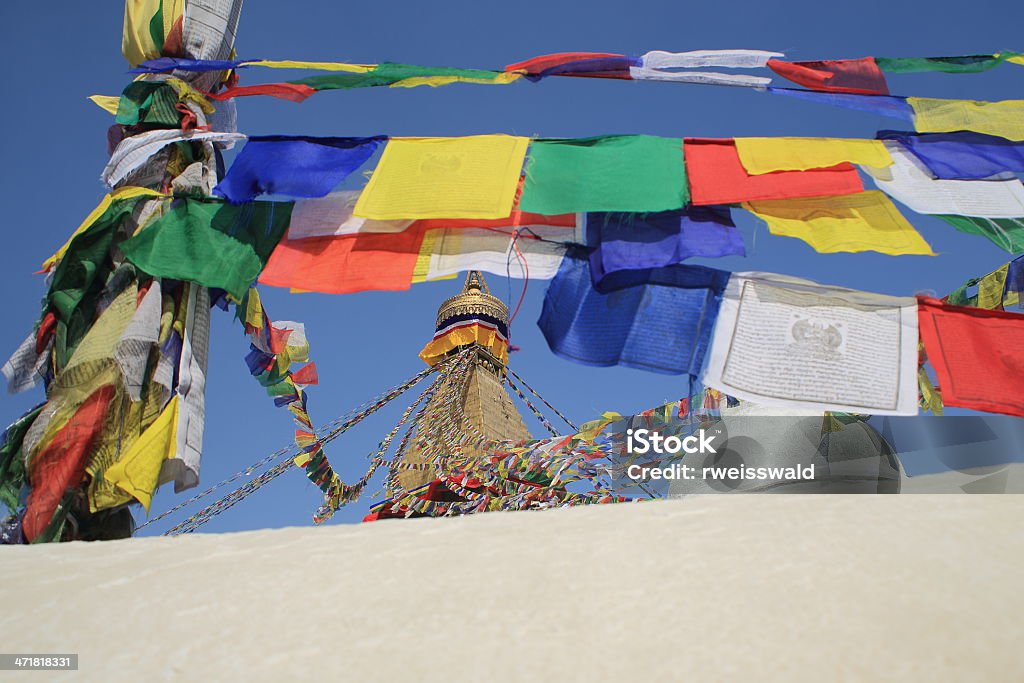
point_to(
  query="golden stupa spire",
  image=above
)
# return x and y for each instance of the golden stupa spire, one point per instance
(474, 299)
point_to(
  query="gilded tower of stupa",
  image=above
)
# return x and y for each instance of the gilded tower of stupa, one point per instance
(473, 318)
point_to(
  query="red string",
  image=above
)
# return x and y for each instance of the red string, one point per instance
(526, 278)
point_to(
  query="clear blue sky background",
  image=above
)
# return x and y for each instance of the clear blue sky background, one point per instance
(55, 148)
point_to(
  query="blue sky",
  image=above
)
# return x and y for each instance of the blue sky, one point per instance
(56, 146)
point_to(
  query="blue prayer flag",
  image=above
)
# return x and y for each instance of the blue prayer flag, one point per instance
(293, 166)
(883, 105)
(962, 155)
(658, 320)
(635, 241)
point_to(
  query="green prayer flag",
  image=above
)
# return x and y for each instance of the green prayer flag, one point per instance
(79, 278)
(629, 173)
(211, 243)
(148, 102)
(951, 65)
(1006, 233)
(12, 464)
(388, 74)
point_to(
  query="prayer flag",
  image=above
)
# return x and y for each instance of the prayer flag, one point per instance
(908, 181)
(137, 471)
(881, 105)
(294, 166)
(345, 264)
(210, 243)
(654, 327)
(951, 65)
(858, 76)
(1004, 119)
(1006, 233)
(633, 241)
(60, 464)
(767, 155)
(792, 343)
(334, 215)
(962, 155)
(717, 176)
(608, 173)
(471, 177)
(529, 252)
(867, 221)
(977, 355)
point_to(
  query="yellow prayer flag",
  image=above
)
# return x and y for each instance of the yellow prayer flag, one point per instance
(127, 192)
(1004, 119)
(471, 177)
(1019, 59)
(138, 469)
(108, 103)
(991, 287)
(435, 81)
(173, 10)
(137, 44)
(765, 155)
(254, 309)
(866, 221)
(322, 66)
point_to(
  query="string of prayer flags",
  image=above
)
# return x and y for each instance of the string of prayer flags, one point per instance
(470, 177)
(1005, 233)
(1004, 119)
(962, 155)
(608, 173)
(976, 359)
(998, 290)
(345, 264)
(856, 76)
(211, 243)
(274, 348)
(767, 155)
(866, 221)
(293, 165)
(716, 176)
(645, 323)
(780, 341)
(909, 182)
(635, 241)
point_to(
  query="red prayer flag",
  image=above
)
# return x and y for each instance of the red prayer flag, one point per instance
(717, 176)
(61, 465)
(343, 264)
(978, 355)
(306, 374)
(293, 92)
(536, 65)
(858, 76)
